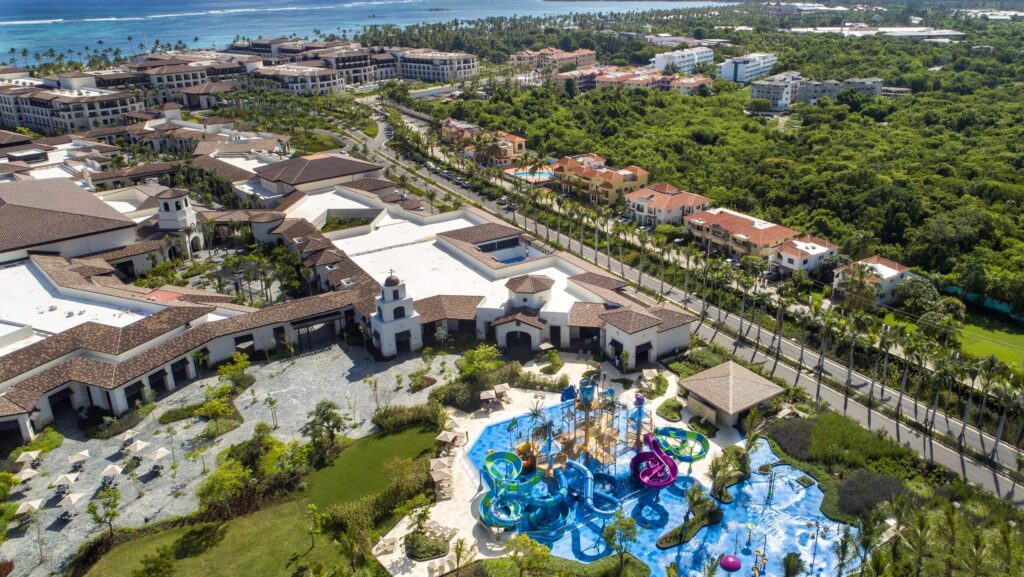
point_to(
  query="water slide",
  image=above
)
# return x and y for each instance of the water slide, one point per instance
(550, 512)
(587, 492)
(654, 468)
(497, 511)
(500, 507)
(685, 446)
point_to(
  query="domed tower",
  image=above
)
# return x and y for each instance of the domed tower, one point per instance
(177, 217)
(396, 325)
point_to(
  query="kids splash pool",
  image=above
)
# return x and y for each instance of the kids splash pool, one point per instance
(537, 478)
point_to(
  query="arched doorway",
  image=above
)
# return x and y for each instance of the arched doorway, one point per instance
(195, 244)
(518, 340)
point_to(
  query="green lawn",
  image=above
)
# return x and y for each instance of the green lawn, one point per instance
(359, 470)
(275, 541)
(986, 335)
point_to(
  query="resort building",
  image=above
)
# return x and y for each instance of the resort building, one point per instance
(457, 131)
(723, 395)
(805, 253)
(587, 176)
(746, 69)
(788, 87)
(62, 104)
(684, 61)
(688, 85)
(302, 79)
(663, 203)
(553, 59)
(428, 65)
(204, 96)
(313, 172)
(736, 234)
(884, 273)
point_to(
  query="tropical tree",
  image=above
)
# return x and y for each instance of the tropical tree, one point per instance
(104, 509)
(792, 565)
(619, 534)
(529, 556)
(464, 553)
(845, 551)
(859, 288)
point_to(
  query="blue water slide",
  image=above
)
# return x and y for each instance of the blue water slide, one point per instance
(587, 492)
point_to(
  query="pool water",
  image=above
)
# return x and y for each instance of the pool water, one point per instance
(540, 174)
(787, 519)
(513, 260)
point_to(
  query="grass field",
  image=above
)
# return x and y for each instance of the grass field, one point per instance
(985, 335)
(273, 542)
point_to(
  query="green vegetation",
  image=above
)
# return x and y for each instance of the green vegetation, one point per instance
(553, 360)
(45, 441)
(606, 567)
(984, 335)
(670, 409)
(702, 426)
(334, 224)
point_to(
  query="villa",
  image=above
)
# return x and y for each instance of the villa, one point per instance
(734, 233)
(587, 176)
(884, 273)
(805, 253)
(555, 59)
(663, 203)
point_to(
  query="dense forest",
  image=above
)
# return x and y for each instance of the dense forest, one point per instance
(933, 180)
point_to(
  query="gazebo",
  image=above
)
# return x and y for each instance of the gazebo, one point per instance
(723, 394)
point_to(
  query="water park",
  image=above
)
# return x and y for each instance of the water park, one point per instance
(560, 472)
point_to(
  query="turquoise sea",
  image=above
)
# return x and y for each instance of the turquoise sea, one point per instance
(39, 25)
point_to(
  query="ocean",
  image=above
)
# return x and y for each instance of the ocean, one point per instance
(39, 25)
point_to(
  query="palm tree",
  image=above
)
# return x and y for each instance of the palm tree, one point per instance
(464, 554)
(691, 253)
(918, 539)
(792, 565)
(869, 530)
(859, 324)
(697, 502)
(858, 285)
(827, 323)
(710, 568)
(844, 550)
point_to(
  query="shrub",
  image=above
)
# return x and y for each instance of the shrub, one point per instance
(670, 409)
(395, 418)
(47, 440)
(838, 441)
(418, 380)
(554, 362)
(421, 547)
(703, 427)
(705, 358)
(657, 387)
(794, 437)
(179, 413)
(863, 490)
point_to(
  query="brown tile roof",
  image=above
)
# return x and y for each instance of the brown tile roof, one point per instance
(743, 225)
(523, 315)
(588, 314)
(36, 212)
(456, 307)
(529, 284)
(664, 196)
(599, 280)
(207, 88)
(325, 257)
(371, 184)
(671, 317)
(731, 388)
(8, 138)
(313, 168)
(630, 321)
(481, 233)
(295, 228)
(224, 170)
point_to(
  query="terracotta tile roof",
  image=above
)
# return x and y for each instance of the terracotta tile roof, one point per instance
(588, 314)
(371, 184)
(222, 169)
(8, 138)
(630, 321)
(667, 197)
(731, 388)
(756, 231)
(325, 257)
(481, 233)
(295, 228)
(36, 212)
(523, 315)
(313, 168)
(671, 317)
(529, 284)
(455, 307)
(207, 88)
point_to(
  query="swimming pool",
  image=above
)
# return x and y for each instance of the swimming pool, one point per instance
(540, 174)
(513, 260)
(787, 519)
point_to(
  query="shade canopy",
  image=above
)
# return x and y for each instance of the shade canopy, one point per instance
(440, 475)
(27, 457)
(137, 446)
(445, 436)
(127, 435)
(112, 470)
(487, 395)
(28, 506)
(158, 454)
(440, 464)
(501, 388)
(26, 474)
(78, 457)
(66, 479)
(71, 499)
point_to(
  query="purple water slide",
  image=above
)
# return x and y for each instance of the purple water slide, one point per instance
(654, 468)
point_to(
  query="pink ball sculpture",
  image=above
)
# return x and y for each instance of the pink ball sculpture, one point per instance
(730, 563)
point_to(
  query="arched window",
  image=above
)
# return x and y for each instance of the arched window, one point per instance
(177, 205)
(167, 207)
(186, 201)
(399, 312)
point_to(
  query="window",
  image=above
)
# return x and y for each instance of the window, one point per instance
(177, 205)
(394, 294)
(399, 312)
(167, 207)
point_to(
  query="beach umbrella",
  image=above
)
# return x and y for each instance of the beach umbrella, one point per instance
(127, 435)
(487, 395)
(501, 388)
(440, 475)
(71, 499)
(79, 457)
(28, 507)
(27, 457)
(112, 470)
(66, 479)
(451, 424)
(137, 446)
(158, 454)
(26, 474)
(445, 436)
(439, 464)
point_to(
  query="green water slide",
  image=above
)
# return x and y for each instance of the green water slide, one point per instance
(685, 446)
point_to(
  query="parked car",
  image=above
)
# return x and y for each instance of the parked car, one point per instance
(503, 200)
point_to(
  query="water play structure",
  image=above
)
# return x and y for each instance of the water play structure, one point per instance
(580, 462)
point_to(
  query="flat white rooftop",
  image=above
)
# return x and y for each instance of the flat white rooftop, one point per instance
(429, 270)
(314, 205)
(390, 232)
(28, 298)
